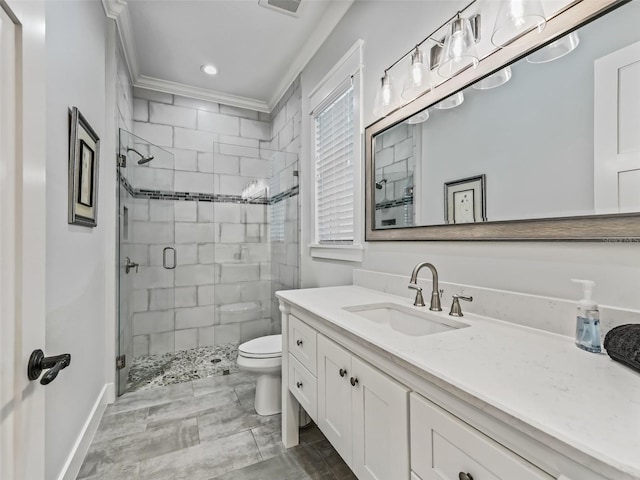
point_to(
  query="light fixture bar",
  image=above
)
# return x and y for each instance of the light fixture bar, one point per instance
(428, 37)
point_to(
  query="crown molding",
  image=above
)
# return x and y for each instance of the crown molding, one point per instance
(198, 93)
(118, 11)
(113, 8)
(324, 27)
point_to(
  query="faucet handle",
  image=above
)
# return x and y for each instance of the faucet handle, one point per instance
(441, 291)
(456, 309)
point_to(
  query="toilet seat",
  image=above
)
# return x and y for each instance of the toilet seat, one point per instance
(263, 347)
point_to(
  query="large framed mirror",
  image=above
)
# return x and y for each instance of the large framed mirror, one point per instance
(542, 143)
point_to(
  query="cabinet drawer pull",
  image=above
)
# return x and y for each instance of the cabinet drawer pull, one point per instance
(299, 343)
(354, 382)
(343, 372)
(299, 385)
(465, 476)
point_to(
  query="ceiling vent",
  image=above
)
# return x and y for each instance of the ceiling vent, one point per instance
(289, 7)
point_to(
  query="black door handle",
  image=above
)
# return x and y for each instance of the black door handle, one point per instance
(38, 362)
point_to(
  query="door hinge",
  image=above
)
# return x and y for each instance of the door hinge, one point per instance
(122, 160)
(121, 362)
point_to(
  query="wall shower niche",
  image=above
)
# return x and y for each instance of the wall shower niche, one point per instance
(206, 252)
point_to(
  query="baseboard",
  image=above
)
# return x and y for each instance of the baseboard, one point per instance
(80, 448)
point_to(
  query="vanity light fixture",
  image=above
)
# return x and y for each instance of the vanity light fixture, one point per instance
(494, 80)
(209, 69)
(452, 55)
(386, 96)
(450, 102)
(460, 51)
(515, 19)
(556, 50)
(419, 76)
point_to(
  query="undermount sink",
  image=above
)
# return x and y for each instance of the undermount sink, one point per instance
(405, 320)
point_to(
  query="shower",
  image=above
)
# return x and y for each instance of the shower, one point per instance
(378, 184)
(143, 159)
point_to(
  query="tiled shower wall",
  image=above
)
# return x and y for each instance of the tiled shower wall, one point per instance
(192, 130)
(395, 155)
(285, 214)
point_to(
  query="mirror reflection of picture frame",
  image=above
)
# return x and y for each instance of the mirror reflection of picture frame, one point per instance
(465, 200)
(84, 153)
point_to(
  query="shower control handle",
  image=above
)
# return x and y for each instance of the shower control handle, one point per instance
(164, 258)
(129, 265)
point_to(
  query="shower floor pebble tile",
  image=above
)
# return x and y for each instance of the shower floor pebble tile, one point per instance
(203, 430)
(151, 371)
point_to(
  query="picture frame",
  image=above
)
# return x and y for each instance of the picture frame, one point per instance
(465, 200)
(84, 156)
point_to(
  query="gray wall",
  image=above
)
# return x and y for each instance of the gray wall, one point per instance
(529, 267)
(75, 256)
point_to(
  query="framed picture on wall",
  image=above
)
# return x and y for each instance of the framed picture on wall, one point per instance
(464, 200)
(84, 154)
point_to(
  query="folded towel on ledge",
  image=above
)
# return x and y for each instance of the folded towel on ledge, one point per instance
(623, 345)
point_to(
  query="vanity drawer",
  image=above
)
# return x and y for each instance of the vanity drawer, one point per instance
(304, 387)
(302, 343)
(443, 447)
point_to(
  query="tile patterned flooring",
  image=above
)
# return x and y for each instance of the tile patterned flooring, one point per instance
(204, 429)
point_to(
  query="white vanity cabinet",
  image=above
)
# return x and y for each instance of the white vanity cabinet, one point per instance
(363, 413)
(390, 420)
(445, 448)
(302, 365)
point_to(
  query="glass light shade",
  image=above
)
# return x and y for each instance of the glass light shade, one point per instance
(556, 50)
(418, 77)
(386, 97)
(515, 18)
(494, 80)
(450, 102)
(459, 51)
(419, 117)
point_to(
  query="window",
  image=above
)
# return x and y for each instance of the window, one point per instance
(334, 141)
(337, 164)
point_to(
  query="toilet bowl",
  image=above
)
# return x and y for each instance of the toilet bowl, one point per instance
(263, 358)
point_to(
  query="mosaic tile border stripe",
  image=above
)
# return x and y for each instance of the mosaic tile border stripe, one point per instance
(395, 203)
(205, 197)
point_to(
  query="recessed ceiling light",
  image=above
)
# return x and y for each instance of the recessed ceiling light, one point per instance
(209, 69)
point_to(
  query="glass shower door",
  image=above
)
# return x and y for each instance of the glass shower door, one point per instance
(147, 259)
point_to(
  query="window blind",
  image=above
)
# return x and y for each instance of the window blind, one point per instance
(334, 137)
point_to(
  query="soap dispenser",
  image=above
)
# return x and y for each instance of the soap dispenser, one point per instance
(588, 319)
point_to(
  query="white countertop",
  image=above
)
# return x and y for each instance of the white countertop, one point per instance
(584, 400)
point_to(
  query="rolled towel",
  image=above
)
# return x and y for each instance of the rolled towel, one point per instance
(623, 345)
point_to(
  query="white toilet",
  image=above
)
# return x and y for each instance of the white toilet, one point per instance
(263, 357)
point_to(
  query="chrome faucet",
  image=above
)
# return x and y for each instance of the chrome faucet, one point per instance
(435, 295)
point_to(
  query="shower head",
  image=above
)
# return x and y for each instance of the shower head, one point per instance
(143, 159)
(381, 183)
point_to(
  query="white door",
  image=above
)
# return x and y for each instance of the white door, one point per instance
(334, 396)
(380, 409)
(22, 231)
(616, 127)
